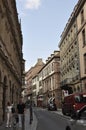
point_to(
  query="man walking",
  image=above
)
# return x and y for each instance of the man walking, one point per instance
(20, 111)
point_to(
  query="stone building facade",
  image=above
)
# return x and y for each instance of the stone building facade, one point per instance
(81, 28)
(11, 56)
(72, 50)
(35, 88)
(30, 74)
(43, 82)
(51, 79)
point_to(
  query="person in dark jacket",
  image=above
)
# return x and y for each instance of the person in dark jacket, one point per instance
(20, 111)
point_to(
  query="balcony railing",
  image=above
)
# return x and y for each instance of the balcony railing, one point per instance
(70, 80)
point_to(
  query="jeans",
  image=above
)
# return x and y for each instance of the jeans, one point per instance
(9, 119)
(21, 120)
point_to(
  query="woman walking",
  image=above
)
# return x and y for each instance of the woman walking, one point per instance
(9, 114)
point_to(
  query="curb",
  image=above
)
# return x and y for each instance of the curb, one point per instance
(34, 122)
(59, 112)
(33, 125)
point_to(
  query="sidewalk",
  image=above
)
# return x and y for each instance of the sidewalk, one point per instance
(27, 125)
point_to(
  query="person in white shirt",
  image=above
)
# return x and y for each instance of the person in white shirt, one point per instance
(9, 114)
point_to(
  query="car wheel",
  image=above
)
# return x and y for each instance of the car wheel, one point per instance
(68, 128)
(72, 113)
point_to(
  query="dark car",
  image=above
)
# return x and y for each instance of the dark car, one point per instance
(78, 120)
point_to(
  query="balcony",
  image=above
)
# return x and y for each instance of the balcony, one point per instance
(69, 81)
(66, 81)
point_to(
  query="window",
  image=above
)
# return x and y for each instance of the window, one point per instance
(40, 83)
(83, 37)
(82, 16)
(52, 66)
(78, 88)
(85, 63)
(80, 98)
(85, 86)
(75, 43)
(34, 87)
(1, 12)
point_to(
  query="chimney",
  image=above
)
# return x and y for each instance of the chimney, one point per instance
(39, 61)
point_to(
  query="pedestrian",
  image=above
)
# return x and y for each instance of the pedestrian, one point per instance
(13, 109)
(9, 114)
(54, 104)
(14, 115)
(20, 111)
(31, 113)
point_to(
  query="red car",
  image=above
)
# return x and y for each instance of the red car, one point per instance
(73, 102)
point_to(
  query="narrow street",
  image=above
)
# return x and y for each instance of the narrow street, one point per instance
(50, 120)
(27, 125)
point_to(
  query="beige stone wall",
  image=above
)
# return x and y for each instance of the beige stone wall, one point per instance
(31, 73)
(82, 49)
(10, 56)
(51, 79)
(72, 50)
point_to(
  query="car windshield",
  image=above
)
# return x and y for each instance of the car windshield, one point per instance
(80, 98)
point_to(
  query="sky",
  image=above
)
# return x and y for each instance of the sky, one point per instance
(42, 23)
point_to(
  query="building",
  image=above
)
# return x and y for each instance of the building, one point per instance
(81, 33)
(51, 79)
(46, 83)
(11, 56)
(43, 82)
(72, 51)
(40, 96)
(35, 88)
(30, 74)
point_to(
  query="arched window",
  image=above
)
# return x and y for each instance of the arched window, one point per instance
(74, 89)
(78, 88)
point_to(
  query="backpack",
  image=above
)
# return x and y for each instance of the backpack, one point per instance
(13, 110)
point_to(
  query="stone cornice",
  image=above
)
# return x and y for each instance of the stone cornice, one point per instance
(83, 78)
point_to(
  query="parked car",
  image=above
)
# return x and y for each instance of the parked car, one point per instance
(52, 105)
(78, 120)
(73, 102)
